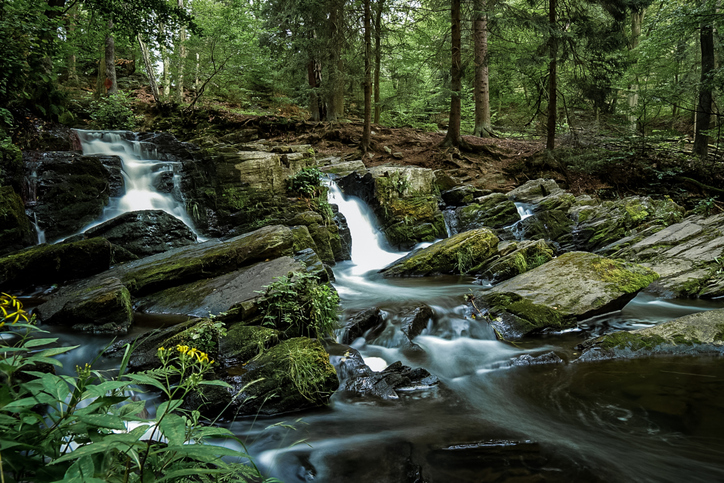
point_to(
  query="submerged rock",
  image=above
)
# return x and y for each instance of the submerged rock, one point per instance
(145, 233)
(466, 252)
(692, 334)
(572, 287)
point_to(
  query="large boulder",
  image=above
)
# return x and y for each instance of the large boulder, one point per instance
(689, 256)
(50, 264)
(68, 190)
(534, 191)
(572, 287)
(516, 258)
(692, 334)
(494, 211)
(466, 252)
(145, 233)
(16, 230)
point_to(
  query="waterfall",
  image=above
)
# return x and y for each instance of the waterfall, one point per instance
(141, 169)
(525, 210)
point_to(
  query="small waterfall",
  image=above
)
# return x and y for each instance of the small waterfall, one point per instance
(525, 210)
(38, 231)
(369, 247)
(141, 170)
(451, 222)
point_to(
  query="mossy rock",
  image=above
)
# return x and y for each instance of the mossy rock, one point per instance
(701, 332)
(553, 225)
(527, 255)
(465, 252)
(292, 376)
(572, 287)
(494, 211)
(16, 230)
(244, 342)
(48, 264)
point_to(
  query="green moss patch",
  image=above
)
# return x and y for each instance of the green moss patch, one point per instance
(626, 277)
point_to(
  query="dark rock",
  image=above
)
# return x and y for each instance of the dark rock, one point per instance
(145, 233)
(164, 182)
(534, 191)
(414, 320)
(531, 360)
(493, 211)
(360, 323)
(516, 258)
(48, 264)
(244, 342)
(461, 195)
(16, 230)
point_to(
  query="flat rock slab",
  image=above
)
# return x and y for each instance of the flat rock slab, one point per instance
(697, 333)
(572, 287)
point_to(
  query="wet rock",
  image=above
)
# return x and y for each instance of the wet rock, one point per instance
(244, 342)
(516, 258)
(103, 307)
(531, 360)
(687, 255)
(697, 333)
(345, 168)
(16, 230)
(572, 287)
(48, 264)
(466, 252)
(554, 225)
(461, 195)
(69, 191)
(360, 323)
(345, 236)
(320, 233)
(534, 191)
(415, 320)
(493, 211)
(164, 182)
(145, 233)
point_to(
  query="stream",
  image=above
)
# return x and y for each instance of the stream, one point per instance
(491, 418)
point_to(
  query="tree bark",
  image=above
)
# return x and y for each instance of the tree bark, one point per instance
(367, 130)
(378, 58)
(313, 97)
(453, 137)
(182, 59)
(552, 78)
(166, 77)
(637, 19)
(335, 90)
(483, 125)
(111, 82)
(100, 79)
(149, 68)
(703, 107)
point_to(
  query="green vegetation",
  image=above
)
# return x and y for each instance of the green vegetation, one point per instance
(113, 113)
(298, 305)
(307, 182)
(627, 278)
(87, 427)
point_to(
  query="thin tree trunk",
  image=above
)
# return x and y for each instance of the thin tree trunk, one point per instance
(378, 57)
(335, 90)
(313, 97)
(149, 68)
(483, 125)
(637, 19)
(703, 108)
(552, 79)
(72, 23)
(367, 130)
(182, 59)
(453, 137)
(101, 78)
(198, 67)
(111, 83)
(166, 76)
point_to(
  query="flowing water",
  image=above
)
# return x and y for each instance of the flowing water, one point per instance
(658, 419)
(141, 168)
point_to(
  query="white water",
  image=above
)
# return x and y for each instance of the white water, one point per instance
(140, 168)
(525, 210)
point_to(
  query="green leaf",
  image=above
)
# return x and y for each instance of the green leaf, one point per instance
(39, 342)
(102, 421)
(146, 380)
(168, 407)
(55, 351)
(173, 427)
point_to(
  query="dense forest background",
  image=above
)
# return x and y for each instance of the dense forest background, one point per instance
(631, 72)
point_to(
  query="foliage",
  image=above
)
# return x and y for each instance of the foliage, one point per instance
(299, 305)
(87, 427)
(306, 182)
(114, 113)
(706, 206)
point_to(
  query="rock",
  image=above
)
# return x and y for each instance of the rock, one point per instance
(16, 230)
(516, 258)
(244, 342)
(69, 190)
(360, 323)
(292, 376)
(554, 225)
(48, 264)
(466, 252)
(145, 233)
(320, 233)
(493, 211)
(345, 168)
(687, 255)
(531, 360)
(344, 236)
(461, 195)
(414, 320)
(697, 333)
(572, 287)
(103, 308)
(534, 191)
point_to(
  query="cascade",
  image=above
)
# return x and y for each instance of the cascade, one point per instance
(141, 168)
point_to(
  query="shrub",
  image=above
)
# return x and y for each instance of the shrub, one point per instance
(114, 113)
(307, 182)
(87, 428)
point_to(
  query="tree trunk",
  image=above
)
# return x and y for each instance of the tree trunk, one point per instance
(482, 84)
(453, 137)
(637, 19)
(166, 77)
(703, 107)
(378, 57)
(101, 78)
(72, 23)
(552, 79)
(182, 59)
(367, 130)
(111, 83)
(335, 90)
(313, 97)
(149, 68)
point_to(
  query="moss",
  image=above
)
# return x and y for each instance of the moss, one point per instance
(244, 342)
(635, 342)
(627, 278)
(636, 211)
(584, 215)
(719, 336)
(691, 288)
(534, 316)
